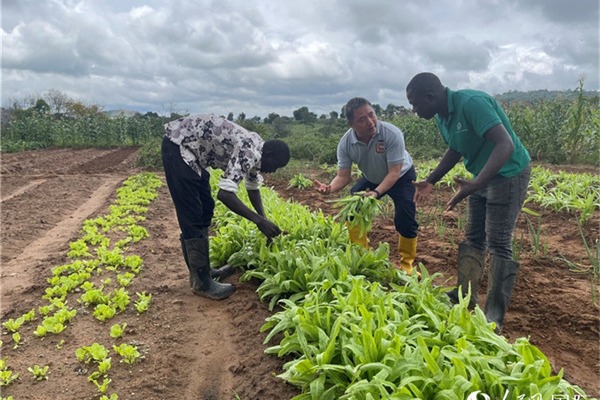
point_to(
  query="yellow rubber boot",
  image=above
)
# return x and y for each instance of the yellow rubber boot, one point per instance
(356, 238)
(407, 248)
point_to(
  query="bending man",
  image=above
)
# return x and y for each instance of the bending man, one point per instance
(193, 144)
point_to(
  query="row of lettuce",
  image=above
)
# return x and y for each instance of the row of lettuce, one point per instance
(94, 282)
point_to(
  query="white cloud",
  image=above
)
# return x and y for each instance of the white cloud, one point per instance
(261, 57)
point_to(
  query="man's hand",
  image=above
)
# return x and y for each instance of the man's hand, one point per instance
(465, 189)
(423, 191)
(268, 228)
(322, 187)
(370, 193)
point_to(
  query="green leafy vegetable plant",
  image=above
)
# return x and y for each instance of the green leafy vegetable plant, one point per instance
(143, 302)
(129, 354)
(39, 373)
(117, 331)
(300, 181)
(358, 210)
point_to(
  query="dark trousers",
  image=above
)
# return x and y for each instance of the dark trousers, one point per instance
(190, 192)
(493, 213)
(402, 193)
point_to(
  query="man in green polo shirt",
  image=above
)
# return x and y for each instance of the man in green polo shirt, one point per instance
(476, 129)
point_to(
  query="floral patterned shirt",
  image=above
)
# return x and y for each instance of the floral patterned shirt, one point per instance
(211, 141)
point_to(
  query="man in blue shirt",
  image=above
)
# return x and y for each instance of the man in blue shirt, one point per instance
(378, 149)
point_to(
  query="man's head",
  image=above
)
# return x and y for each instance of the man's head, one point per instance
(361, 116)
(426, 94)
(275, 155)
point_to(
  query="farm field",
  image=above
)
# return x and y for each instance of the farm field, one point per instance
(195, 348)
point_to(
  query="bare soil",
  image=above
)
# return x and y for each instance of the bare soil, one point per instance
(196, 348)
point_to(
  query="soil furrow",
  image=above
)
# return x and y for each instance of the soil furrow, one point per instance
(18, 272)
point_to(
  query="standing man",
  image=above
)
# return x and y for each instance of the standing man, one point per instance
(387, 169)
(193, 144)
(475, 127)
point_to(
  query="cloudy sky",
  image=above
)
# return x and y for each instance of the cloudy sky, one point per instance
(258, 56)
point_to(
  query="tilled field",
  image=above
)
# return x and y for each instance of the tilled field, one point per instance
(195, 348)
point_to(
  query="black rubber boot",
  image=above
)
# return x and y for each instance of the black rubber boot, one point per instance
(199, 265)
(185, 257)
(471, 262)
(223, 272)
(217, 273)
(501, 281)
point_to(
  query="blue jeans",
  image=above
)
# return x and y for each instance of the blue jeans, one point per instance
(402, 193)
(190, 192)
(493, 212)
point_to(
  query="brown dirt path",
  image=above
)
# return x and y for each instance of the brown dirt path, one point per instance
(200, 349)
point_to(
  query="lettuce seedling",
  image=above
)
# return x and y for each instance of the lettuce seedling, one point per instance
(7, 377)
(94, 297)
(120, 299)
(94, 352)
(135, 263)
(16, 337)
(143, 302)
(13, 325)
(39, 373)
(117, 331)
(128, 353)
(79, 249)
(102, 387)
(103, 312)
(125, 279)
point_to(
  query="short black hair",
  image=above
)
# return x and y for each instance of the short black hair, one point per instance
(424, 82)
(353, 105)
(278, 151)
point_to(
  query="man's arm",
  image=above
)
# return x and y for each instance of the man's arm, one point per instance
(424, 188)
(232, 202)
(449, 160)
(503, 148)
(341, 179)
(394, 172)
(256, 201)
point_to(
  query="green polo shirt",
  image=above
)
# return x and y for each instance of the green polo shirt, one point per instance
(471, 114)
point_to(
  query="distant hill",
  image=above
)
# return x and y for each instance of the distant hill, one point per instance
(537, 95)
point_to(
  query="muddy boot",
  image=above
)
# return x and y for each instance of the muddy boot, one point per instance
(217, 273)
(471, 262)
(501, 281)
(356, 237)
(199, 265)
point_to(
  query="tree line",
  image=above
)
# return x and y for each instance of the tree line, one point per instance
(564, 129)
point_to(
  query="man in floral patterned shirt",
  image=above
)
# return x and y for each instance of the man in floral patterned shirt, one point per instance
(192, 145)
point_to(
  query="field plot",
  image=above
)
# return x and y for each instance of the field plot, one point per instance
(193, 348)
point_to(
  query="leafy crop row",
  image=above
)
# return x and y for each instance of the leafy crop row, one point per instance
(95, 281)
(355, 327)
(577, 193)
